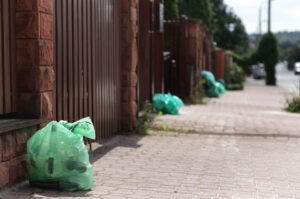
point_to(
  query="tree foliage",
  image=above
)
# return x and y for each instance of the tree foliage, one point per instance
(171, 9)
(226, 27)
(293, 55)
(268, 53)
(199, 9)
(230, 31)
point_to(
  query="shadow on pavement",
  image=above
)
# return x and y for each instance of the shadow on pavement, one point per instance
(25, 191)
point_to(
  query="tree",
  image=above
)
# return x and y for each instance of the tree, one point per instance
(268, 53)
(293, 55)
(171, 9)
(230, 31)
(199, 9)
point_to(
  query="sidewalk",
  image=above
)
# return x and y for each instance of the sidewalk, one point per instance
(240, 146)
(256, 111)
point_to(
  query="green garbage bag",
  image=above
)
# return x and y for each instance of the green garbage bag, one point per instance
(213, 92)
(208, 77)
(167, 103)
(57, 157)
(220, 87)
(178, 101)
(222, 81)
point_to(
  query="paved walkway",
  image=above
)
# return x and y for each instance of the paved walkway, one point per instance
(256, 111)
(240, 146)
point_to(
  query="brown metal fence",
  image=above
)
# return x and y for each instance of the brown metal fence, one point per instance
(87, 62)
(189, 47)
(175, 66)
(150, 66)
(145, 83)
(7, 57)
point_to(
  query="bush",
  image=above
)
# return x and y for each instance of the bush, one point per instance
(234, 77)
(293, 105)
(198, 95)
(171, 9)
(144, 122)
(293, 55)
(268, 53)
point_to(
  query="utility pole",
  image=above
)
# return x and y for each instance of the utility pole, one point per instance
(259, 28)
(269, 16)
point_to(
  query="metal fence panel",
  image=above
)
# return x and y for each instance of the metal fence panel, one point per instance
(87, 63)
(7, 56)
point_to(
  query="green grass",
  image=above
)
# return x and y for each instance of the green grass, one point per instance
(293, 105)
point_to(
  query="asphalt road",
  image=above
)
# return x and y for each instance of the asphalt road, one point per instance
(287, 79)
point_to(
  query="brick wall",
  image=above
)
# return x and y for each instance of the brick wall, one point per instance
(34, 52)
(129, 52)
(35, 82)
(13, 166)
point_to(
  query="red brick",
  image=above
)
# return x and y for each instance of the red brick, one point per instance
(124, 6)
(4, 174)
(47, 106)
(27, 25)
(126, 36)
(17, 169)
(133, 94)
(134, 56)
(133, 3)
(45, 6)
(30, 103)
(133, 14)
(46, 26)
(9, 146)
(129, 108)
(125, 94)
(24, 5)
(26, 79)
(25, 52)
(128, 94)
(1, 149)
(46, 79)
(134, 30)
(46, 52)
(126, 58)
(21, 140)
(129, 79)
(128, 123)
(125, 21)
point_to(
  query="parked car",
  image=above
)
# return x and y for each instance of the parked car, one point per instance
(258, 71)
(297, 68)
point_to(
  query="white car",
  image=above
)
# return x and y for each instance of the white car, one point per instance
(258, 71)
(297, 68)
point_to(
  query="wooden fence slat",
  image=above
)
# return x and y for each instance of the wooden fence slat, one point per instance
(89, 52)
(65, 59)
(84, 65)
(70, 62)
(59, 60)
(76, 62)
(7, 64)
(1, 61)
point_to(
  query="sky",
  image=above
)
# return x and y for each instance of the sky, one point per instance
(285, 14)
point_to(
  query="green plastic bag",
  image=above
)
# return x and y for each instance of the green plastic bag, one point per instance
(208, 77)
(57, 157)
(222, 81)
(167, 103)
(213, 92)
(220, 87)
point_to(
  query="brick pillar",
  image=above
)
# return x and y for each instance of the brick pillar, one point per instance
(129, 52)
(34, 51)
(219, 63)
